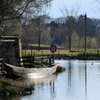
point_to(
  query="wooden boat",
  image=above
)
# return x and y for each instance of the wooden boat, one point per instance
(21, 71)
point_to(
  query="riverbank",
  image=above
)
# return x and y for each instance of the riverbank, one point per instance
(87, 55)
(11, 87)
(79, 57)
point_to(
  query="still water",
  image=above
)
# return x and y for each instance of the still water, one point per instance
(80, 81)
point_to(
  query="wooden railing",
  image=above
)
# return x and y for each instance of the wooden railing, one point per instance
(31, 61)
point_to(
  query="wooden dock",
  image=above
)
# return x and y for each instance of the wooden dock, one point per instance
(2, 71)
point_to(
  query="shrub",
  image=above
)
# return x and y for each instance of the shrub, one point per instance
(10, 89)
(5, 83)
(59, 70)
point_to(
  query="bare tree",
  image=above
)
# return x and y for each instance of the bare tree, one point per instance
(12, 9)
(70, 22)
(37, 32)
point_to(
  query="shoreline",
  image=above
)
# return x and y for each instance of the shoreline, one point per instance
(10, 87)
(79, 57)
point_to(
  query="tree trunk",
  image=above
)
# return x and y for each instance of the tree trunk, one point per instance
(69, 42)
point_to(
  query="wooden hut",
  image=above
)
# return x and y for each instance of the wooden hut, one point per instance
(10, 49)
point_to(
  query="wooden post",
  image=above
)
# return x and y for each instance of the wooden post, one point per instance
(34, 54)
(19, 50)
(50, 61)
(42, 53)
(25, 52)
(58, 54)
(31, 52)
(33, 61)
(41, 61)
(53, 57)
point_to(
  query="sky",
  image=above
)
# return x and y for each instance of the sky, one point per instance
(90, 7)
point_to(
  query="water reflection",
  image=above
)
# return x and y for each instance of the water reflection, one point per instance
(82, 77)
(69, 76)
(52, 90)
(85, 81)
(11, 98)
(33, 81)
(37, 83)
(44, 88)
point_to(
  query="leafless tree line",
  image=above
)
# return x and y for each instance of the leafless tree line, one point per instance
(28, 19)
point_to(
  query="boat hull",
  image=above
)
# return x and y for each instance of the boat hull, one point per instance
(21, 71)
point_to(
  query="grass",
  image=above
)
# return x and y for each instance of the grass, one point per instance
(10, 85)
(47, 52)
(62, 52)
(90, 53)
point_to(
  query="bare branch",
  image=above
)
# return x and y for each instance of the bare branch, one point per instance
(13, 9)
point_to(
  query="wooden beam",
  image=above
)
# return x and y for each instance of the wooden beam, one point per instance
(3, 40)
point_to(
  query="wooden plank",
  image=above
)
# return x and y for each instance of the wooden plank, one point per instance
(2, 40)
(27, 57)
(10, 37)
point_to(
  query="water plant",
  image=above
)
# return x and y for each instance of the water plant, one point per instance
(59, 70)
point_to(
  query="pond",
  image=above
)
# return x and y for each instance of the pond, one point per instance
(80, 81)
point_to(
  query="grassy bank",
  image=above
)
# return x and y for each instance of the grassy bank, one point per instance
(48, 52)
(65, 54)
(90, 53)
(44, 52)
(10, 86)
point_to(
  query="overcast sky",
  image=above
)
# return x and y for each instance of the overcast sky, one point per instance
(91, 7)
